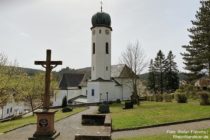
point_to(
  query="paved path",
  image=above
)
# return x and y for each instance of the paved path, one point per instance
(68, 128)
(72, 125)
(162, 129)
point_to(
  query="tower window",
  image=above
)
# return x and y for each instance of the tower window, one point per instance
(93, 67)
(94, 48)
(107, 68)
(107, 48)
(93, 92)
(100, 31)
(107, 32)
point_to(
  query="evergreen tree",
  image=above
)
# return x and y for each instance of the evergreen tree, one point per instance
(171, 77)
(197, 55)
(159, 66)
(64, 102)
(151, 84)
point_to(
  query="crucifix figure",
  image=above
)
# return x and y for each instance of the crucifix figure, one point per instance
(48, 65)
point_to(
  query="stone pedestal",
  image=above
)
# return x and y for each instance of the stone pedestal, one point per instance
(45, 126)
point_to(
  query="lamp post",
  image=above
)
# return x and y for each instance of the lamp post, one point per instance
(100, 97)
(107, 97)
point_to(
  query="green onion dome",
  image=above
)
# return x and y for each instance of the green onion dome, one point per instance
(101, 19)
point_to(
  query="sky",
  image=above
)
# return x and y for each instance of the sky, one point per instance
(29, 27)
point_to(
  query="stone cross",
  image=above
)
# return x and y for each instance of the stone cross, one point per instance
(48, 65)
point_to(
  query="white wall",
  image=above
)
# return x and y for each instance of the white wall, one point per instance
(101, 60)
(13, 109)
(114, 92)
(100, 91)
(84, 91)
(126, 90)
(60, 94)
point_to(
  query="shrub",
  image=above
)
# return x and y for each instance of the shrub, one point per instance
(172, 95)
(167, 97)
(64, 102)
(118, 101)
(189, 89)
(158, 98)
(204, 98)
(110, 102)
(150, 98)
(181, 98)
(67, 109)
(128, 105)
(103, 108)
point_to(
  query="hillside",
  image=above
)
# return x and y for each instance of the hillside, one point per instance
(182, 76)
(30, 71)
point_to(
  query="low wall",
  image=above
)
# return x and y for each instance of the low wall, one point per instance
(84, 137)
(97, 127)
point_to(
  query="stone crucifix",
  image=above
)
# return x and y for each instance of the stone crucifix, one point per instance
(48, 65)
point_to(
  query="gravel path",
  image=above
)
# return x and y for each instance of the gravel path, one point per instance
(162, 129)
(68, 128)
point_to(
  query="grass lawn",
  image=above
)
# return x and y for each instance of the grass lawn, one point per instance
(150, 113)
(6, 126)
(170, 136)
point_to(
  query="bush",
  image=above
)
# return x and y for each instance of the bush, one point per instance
(64, 102)
(128, 105)
(158, 97)
(204, 98)
(172, 95)
(167, 97)
(189, 89)
(181, 98)
(151, 98)
(110, 102)
(118, 101)
(103, 108)
(67, 109)
(148, 98)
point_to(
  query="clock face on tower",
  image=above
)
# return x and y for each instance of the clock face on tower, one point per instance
(107, 32)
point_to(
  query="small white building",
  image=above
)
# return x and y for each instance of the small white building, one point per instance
(12, 108)
(106, 83)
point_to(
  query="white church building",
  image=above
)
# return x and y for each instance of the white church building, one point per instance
(102, 81)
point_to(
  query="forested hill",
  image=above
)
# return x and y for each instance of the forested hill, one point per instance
(144, 76)
(30, 71)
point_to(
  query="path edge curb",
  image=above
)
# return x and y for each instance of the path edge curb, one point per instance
(159, 125)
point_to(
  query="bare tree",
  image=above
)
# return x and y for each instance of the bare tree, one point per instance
(134, 57)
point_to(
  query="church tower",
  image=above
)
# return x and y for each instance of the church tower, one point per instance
(101, 46)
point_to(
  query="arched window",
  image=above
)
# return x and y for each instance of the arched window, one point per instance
(94, 49)
(107, 48)
(100, 31)
(107, 68)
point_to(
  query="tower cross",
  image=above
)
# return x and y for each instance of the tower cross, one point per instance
(101, 5)
(48, 65)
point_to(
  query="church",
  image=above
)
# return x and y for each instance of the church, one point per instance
(102, 81)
